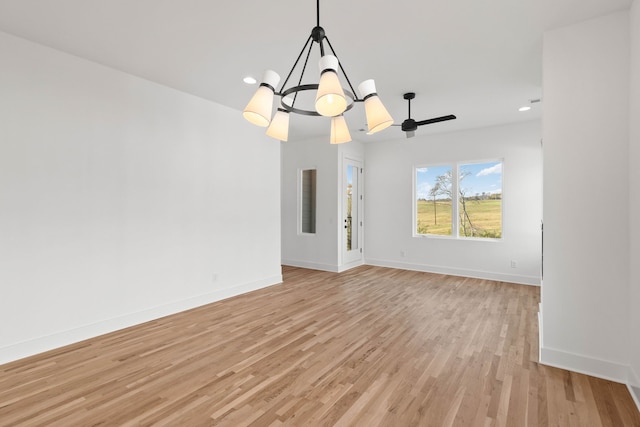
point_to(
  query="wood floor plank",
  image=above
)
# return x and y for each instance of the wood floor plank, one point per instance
(368, 347)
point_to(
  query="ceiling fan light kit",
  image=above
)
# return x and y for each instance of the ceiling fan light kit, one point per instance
(331, 100)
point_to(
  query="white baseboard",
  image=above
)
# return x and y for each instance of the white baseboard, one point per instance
(634, 386)
(487, 275)
(311, 265)
(322, 267)
(634, 378)
(594, 367)
(635, 394)
(540, 331)
(511, 278)
(39, 345)
(585, 365)
(349, 266)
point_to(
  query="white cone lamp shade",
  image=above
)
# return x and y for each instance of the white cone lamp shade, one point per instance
(330, 99)
(279, 127)
(339, 130)
(259, 109)
(378, 118)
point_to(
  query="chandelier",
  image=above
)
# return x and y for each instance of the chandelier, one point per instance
(331, 99)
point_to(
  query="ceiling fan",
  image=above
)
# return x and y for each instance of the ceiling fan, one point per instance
(409, 125)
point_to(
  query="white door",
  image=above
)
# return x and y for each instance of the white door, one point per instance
(352, 211)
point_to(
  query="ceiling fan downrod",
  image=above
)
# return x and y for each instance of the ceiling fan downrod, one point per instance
(409, 124)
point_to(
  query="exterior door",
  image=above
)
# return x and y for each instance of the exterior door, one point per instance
(352, 211)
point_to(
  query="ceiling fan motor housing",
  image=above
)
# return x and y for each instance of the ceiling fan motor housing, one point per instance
(409, 125)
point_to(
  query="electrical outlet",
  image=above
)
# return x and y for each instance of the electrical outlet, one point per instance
(403, 254)
(514, 263)
(214, 277)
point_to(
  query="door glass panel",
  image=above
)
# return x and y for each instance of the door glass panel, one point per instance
(352, 208)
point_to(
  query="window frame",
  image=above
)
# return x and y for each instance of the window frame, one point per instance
(455, 202)
(415, 203)
(301, 201)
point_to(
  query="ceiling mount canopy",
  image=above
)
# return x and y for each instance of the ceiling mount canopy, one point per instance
(331, 98)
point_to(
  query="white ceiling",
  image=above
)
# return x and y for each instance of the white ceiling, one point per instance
(480, 60)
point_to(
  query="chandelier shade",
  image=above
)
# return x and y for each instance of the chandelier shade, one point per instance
(279, 127)
(378, 118)
(339, 130)
(259, 109)
(332, 97)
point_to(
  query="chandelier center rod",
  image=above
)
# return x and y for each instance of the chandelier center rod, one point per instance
(318, 35)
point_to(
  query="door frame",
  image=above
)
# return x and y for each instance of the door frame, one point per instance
(352, 258)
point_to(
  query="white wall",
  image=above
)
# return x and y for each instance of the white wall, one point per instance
(388, 204)
(122, 200)
(320, 251)
(634, 193)
(585, 294)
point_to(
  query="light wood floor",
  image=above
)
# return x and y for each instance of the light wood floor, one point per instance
(369, 347)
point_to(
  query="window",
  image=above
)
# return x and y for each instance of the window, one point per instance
(480, 200)
(466, 197)
(308, 201)
(433, 200)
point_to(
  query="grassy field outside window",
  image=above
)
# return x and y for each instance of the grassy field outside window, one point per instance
(477, 189)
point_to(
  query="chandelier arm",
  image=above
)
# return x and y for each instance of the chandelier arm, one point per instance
(295, 64)
(342, 69)
(304, 68)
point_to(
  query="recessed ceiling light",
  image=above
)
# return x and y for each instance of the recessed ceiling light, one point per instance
(525, 108)
(249, 80)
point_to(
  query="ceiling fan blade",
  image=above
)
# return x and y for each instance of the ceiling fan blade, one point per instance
(436, 120)
(411, 133)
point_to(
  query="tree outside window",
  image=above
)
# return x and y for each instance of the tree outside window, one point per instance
(478, 192)
(433, 201)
